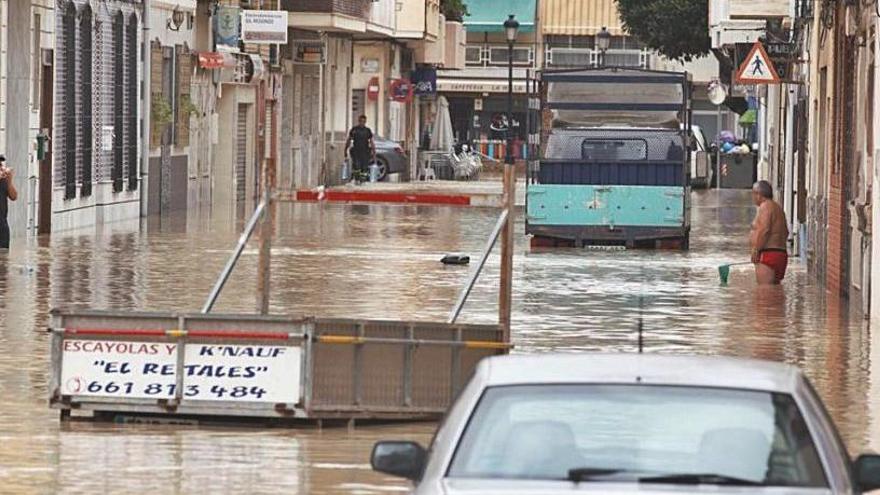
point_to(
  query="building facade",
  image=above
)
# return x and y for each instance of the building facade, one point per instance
(97, 107)
(26, 93)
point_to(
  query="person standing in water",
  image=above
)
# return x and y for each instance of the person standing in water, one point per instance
(7, 193)
(769, 236)
(361, 147)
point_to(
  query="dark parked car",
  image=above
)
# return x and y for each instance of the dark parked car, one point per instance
(392, 159)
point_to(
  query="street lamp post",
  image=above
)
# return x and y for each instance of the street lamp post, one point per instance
(511, 28)
(505, 296)
(603, 42)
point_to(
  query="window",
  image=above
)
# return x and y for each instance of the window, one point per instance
(131, 34)
(522, 55)
(86, 120)
(473, 54)
(67, 88)
(635, 432)
(118, 102)
(614, 150)
(625, 43)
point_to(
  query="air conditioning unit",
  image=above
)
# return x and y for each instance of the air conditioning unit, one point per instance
(47, 56)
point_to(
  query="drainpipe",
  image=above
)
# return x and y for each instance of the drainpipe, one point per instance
(147, 97)
(788, 182)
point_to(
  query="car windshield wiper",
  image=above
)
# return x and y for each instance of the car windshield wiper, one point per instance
(587, 474)
(700, 479)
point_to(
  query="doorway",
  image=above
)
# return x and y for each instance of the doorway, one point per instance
(241, 158)
(44, 218)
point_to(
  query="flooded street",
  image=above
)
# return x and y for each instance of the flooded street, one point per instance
(383, 262)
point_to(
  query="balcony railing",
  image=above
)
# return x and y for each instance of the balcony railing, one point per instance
(353, 8)
(589, 57)
(496, 55)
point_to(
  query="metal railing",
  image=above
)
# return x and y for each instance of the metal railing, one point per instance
(495, 55)
(475, 273)
(590, 57)
(230, 264)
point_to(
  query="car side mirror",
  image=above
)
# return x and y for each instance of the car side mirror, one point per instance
(867, 472)
(403, 459)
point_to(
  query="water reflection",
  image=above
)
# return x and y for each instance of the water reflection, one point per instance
(383, 262)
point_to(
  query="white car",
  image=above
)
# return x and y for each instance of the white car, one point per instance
(702, 172)
(620, 423)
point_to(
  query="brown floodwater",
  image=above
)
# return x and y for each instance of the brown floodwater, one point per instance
(383, 262)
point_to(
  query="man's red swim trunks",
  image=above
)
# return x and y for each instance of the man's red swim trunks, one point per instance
(776, 259)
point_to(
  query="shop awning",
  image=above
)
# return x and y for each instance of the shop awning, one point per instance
(488, 16)
(216, 60)
(579, 17)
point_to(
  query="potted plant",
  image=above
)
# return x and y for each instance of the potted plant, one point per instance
(160, 117)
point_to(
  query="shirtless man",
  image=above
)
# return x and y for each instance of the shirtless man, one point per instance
(769, 236)
(7, 193)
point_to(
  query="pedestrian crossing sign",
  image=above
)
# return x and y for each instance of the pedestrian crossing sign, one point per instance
(757, 68)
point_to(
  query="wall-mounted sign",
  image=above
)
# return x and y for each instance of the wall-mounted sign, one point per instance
(477, 86)
(757, 67)
(308, 51)
(227, 26)
(370, 65)
(424, 81)
(217, 60)
(401, 90)
(267, 27)
(478, 104)
(373, 89)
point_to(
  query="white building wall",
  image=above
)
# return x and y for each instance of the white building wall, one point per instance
(382, 17)
(366, 56)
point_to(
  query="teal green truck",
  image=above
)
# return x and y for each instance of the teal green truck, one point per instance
(615, 160)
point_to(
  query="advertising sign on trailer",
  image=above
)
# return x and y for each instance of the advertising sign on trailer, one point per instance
(109, 368)
(248, 373)
(149, 370)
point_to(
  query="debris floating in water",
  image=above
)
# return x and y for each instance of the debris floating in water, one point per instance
(456, 259)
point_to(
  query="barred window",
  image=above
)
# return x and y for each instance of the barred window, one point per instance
(67, 88)
(131, 102)
(118, 108)
(85, 96)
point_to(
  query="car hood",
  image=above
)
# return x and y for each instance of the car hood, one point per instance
(498, 487)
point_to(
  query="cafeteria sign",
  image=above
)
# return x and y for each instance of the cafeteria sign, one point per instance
(267, 27)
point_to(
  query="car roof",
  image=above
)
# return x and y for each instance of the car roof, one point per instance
(648, 369)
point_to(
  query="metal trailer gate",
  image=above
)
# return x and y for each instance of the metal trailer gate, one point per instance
(271, 367)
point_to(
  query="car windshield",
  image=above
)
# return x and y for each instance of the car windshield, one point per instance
(638, 433)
